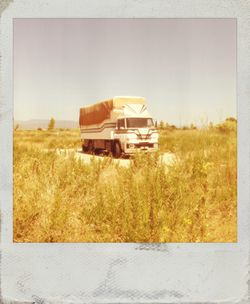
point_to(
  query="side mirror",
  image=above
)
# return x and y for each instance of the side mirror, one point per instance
(156, 123)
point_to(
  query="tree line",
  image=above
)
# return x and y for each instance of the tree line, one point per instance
(229, 124)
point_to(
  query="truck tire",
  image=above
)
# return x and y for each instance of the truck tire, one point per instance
(84, 148)
(91, 148)
(117, 149)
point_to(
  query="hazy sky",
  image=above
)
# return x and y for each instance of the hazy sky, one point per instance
(185, 68)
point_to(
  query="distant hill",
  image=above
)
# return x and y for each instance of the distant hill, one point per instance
(33, 124)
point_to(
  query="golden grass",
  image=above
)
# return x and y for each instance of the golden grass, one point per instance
(59, 199)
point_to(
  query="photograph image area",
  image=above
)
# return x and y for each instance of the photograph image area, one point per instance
(125, 130)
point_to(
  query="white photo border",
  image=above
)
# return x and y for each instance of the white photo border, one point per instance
(125, 272)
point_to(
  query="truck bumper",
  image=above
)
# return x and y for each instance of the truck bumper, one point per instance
(140, 147)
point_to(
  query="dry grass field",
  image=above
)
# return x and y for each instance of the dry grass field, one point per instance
(58, 199)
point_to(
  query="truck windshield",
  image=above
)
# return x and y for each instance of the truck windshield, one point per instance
(139, 122)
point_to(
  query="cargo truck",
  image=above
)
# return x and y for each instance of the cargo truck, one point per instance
(121, 126)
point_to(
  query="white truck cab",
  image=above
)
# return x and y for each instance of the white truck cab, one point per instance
(136, 133)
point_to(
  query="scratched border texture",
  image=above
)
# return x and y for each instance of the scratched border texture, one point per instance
(125, 273)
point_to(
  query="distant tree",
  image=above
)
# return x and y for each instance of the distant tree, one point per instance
(232, 119)
(167, 126)
(229, 125)
(161, 125)
(173, 127)
(16, 127)
(39, 129)
(51, 124)
(193, 127)
(211, 125)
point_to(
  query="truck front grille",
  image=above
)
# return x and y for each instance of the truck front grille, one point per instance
(142, 144)
(144, 136)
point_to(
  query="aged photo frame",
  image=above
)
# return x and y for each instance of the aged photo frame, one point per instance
(124, 272)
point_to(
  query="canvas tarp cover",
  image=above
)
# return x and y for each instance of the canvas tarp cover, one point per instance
(97, 113)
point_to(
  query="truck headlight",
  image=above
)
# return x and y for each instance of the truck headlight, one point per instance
(131, 146)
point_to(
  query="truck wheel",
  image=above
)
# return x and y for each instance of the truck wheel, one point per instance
(117, 150)
(84, 148)
(91, 148)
